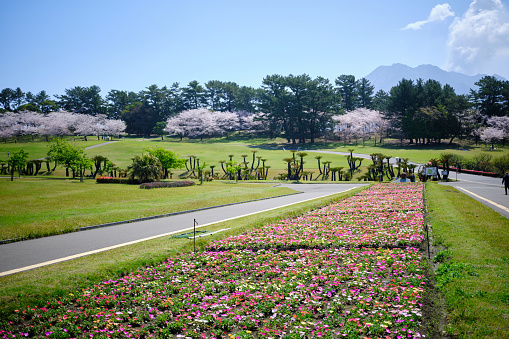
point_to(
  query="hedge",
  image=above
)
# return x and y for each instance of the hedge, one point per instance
(112, 180)
(160, 184)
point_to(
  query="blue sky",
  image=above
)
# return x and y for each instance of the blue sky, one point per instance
(128, 45)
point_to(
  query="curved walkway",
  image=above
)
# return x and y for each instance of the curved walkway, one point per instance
(24, 255)
(102, 144)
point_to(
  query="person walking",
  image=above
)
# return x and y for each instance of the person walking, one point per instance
(505, 181)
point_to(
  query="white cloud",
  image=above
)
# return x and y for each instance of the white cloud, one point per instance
(479, 41)
(438, 13)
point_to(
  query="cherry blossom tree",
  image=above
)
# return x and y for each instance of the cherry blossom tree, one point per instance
(501, 123)
(226, 122)
(85, 125)
(114, 126)
(202, 122)
(192, 123)
(253, 123)
(360, 123)
(57, 123)
(175, 126)
(31, 122)
(9, 125)
(492, 135)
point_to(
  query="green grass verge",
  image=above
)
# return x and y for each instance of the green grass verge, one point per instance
(472, 268)
(45, 207)
(213, 150)
(37, 286)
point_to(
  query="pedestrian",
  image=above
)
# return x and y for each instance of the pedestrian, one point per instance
(505, 181)
(403, 178)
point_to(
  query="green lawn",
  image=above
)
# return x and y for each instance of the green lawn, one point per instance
(213, 150)
(211, 153)
(39, 147)
(51, 206)
(36, 287)
(472, 266)
(416, 153)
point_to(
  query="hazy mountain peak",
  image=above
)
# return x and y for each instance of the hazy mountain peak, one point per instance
(385, 77)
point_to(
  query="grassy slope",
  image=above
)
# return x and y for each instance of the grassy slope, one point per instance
(474, 273)
(45, 206)
(213, 150)
(37, 286)
(420, 154)
(39, 148)
(210, 153)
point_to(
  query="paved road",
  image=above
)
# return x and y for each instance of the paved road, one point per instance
(30, 254)
(486, 190)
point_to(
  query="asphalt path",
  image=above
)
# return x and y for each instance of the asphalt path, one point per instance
(30, 254)
(486, 190)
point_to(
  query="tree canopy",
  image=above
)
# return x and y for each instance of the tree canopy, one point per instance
(296, 107)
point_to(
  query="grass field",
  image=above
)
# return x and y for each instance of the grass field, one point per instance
(45, 206)
(472, 264)
(214, 150)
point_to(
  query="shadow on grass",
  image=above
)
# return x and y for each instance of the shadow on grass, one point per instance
(321, 144)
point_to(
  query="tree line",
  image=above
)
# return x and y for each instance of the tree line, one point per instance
(299, 108)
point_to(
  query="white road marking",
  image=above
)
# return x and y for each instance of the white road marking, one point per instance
(487, 200)
(56, 261)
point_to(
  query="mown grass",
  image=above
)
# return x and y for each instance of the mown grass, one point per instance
(37, 286)
(473, 270)
(35, 207)
(214, 150)
(122, 152)
(39, 147)
(416, 153)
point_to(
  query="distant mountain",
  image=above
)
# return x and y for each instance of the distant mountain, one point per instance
(385, 77)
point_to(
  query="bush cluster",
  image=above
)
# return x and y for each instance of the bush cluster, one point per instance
(112, 180)
(160, 184)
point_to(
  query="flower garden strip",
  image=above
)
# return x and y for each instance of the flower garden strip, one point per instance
(383, 216)
(265, 291)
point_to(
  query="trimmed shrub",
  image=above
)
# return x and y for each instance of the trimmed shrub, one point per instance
(112, 180)
(161, 184)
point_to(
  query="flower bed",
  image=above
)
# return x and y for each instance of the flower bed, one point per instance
(301, 282)
(388, 215)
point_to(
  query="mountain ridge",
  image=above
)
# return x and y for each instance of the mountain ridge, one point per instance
(385, 77)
